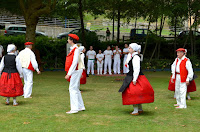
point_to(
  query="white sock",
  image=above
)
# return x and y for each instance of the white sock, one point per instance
(135, 107)
(14, 100)
(8, 99)
(188, 95)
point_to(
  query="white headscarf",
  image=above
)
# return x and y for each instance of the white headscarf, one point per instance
(139, 48)
(134, 46)
(81, 48)
(10, 47)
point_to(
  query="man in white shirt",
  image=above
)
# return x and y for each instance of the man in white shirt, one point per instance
(73, 70)
(100, 58)
(91, 54)
(108, 60)
(29, 64)
(117, 61)
(182, 72)
(125, 53)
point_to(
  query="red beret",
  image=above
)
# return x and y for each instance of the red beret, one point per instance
(28, 43)
(181, 49)
(74, 36)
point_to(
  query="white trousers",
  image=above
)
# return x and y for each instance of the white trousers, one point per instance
(116, 65)
(90, 65)
(125, 69)
(99, 67)
(28, 82)
(180, 91)
(107, 63)
(76, 101)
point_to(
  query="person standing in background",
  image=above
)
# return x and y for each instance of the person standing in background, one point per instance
(117, 61)
(125, 53)
(100, 58)
(108, 60)
(91, 54)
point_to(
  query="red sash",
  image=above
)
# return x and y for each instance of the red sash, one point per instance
(69, 60)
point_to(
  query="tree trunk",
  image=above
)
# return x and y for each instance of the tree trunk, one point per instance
(136, 21)
(146, 38)
(118, 25)
(175, 36)
(113, 30)
(162, 23)
(82, 23)
(30, 32)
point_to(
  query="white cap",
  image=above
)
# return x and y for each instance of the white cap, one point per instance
(134, 46)
(10, 47)
(81, 48)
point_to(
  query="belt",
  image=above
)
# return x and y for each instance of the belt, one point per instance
(90, 59)
(177, 73)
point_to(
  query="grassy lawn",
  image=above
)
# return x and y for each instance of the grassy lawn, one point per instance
(104, 109)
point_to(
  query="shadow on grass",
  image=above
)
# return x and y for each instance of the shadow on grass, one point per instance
(195, 98)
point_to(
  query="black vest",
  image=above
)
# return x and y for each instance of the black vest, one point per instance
(130, 73)
(10, 64)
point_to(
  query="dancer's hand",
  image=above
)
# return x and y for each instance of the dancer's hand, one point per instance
(38, 72)
(172, 80)
(67, 77)
(187, 83)
(134, 82)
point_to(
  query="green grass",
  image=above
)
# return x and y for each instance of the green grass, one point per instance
(104, 110)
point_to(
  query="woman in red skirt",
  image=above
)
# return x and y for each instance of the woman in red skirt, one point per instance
(10, 81)
(136, 89)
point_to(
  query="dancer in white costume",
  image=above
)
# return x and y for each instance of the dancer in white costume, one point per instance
(29, 64)
(74, 69)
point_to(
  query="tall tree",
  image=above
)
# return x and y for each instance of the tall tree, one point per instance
(31, 10)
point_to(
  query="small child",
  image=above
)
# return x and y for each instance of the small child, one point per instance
(10, 82)
(100, 58)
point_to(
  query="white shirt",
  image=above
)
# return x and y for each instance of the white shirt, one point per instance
(82, 58)
(18, 65)
(1, 50)
(117, 55)
(100, 56)
(75, 59)
(125, 50)
(26, 56)
(91, 54)
(108, 54)
(188, 67)
(136, 65)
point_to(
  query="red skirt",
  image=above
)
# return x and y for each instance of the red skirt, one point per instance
(11, 87)
(83, 78)
(140, 93)
(190, 88)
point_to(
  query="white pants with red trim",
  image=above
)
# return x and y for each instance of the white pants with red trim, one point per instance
(90, 66)
(28, 82)
(180, 91)
(76, 101)
(116, 65)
